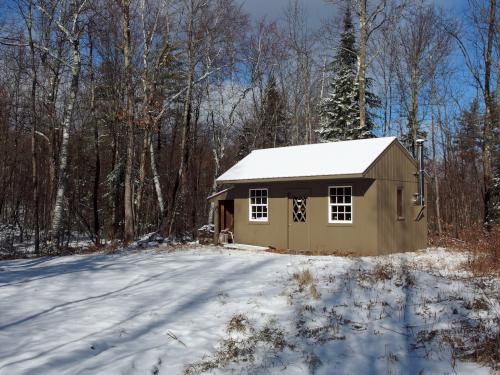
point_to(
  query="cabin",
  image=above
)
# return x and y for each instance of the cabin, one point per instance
(363, 197)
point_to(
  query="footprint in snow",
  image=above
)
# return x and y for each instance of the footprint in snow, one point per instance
(99, 348)
(156, 368)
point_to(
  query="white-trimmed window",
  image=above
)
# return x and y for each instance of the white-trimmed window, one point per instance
(258, 209)
(340, 204)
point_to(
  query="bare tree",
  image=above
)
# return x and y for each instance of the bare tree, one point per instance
(423, 45)
(370, 20)
(72, 31)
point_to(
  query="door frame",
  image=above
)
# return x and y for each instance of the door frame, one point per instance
(226, 214)
(294, 193)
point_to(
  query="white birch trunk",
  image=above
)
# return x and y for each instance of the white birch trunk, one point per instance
(57, 217)
(156, 180)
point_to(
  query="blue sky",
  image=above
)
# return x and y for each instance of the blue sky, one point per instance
(322, 9)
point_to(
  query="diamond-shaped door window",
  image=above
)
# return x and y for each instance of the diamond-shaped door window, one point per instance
(299, 209)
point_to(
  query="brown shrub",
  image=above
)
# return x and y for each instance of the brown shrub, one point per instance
(303, 278)
(238, 323)
(483, 245)
(383, 272)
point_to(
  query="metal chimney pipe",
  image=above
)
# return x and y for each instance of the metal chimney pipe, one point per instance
(421, 180)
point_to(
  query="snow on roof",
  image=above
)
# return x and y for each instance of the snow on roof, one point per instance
(321, 159)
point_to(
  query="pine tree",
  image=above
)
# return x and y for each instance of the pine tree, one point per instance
(271, 130)
(340, 108)
(468, 139)
(246, 139)
(273, 127)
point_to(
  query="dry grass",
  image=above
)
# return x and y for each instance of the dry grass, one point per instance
(314, 292)
(305, 280)
(482, 245)
(383, 272)
(270, 339)
(281, 250)
(469, 340)
(238, 323)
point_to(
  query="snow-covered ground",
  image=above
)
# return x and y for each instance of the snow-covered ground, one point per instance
(228, 311)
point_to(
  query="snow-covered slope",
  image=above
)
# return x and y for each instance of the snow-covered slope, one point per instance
(164, 312)
(321, 159)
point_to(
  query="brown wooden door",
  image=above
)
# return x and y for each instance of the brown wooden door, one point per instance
(298, 221)
(226, 215)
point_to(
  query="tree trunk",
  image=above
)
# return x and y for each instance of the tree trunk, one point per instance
(115, 200)
(129, 180)
(489, 116)
(363, 36)
(186, 124)
(34, 156)
(97, 166)
(434, 167)
(57, 217)
(413, 134)
(211, 209)
(156, 180)
(142, 171)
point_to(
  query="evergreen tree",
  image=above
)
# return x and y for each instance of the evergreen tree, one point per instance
(273, 127)
(246, 139)
(271, 130)
(468, 138)
(340, 108)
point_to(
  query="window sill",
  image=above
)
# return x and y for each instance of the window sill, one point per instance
(329, 224)
(400, 219)
(256, 222)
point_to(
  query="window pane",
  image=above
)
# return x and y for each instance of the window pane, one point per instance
(399, 203)
(258, 204)
(340, 199)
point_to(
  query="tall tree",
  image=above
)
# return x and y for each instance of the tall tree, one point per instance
(129, 118)
(72, 32)
(193, 9)
(370, 20)
(274, 123)
(34, 119)
(340, 115)
(423, 47)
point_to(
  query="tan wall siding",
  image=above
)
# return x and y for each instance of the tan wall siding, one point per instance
(271, 233)
(394, 168)
(360, 237)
